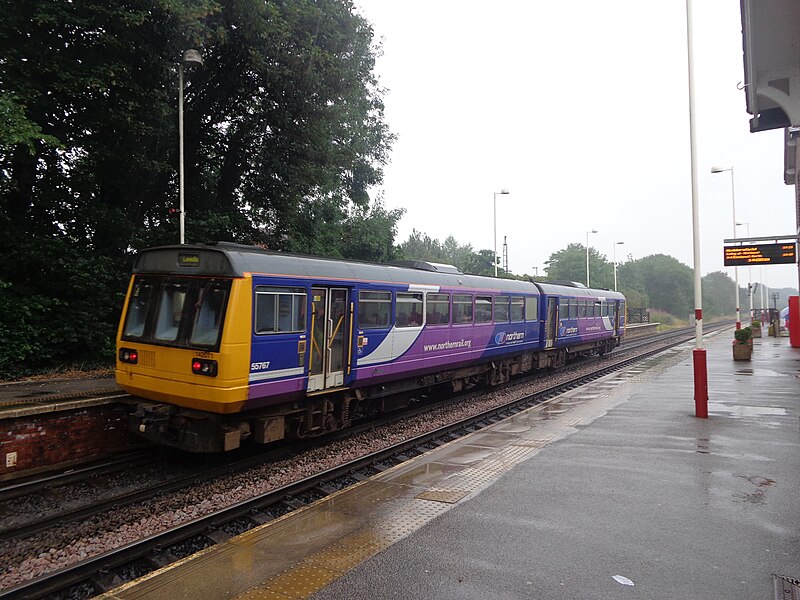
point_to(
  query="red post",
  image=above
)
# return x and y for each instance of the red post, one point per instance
(794, 321)
(700, 384)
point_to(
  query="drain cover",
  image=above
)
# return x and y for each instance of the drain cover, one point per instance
(786, 588)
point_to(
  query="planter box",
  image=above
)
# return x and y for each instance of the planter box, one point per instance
(742, 351)
(756, 332)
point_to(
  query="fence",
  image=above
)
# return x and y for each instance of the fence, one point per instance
(638, 315)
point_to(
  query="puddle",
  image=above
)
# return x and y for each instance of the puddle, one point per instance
(746, 411)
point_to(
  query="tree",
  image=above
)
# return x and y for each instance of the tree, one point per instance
(420, 246)
(569, 264)
(284, 135)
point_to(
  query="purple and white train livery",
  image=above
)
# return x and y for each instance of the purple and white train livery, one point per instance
(229, 342)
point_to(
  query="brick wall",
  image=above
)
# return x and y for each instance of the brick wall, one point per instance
(58, 437)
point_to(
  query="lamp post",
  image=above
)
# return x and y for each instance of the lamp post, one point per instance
(587, 255)
(699, 354)
(749, 276)
(503, 192)
(735, 269)
(615, 263)
(191, 58)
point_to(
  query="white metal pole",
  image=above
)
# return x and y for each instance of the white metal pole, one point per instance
(735, 269)
(699, 356)
(615, 267)
(587, 259)
(494, 256)
(180, 152)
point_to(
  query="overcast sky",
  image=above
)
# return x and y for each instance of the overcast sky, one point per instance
(580, 110)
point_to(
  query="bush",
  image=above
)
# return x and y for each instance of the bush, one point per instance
(743, 335)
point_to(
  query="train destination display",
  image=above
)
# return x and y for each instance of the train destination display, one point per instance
(761, 254)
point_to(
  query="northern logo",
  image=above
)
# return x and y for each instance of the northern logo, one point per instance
(503, 337)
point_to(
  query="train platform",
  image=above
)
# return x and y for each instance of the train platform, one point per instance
(613, 490)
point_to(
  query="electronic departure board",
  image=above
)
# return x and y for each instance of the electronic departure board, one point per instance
(761, 254)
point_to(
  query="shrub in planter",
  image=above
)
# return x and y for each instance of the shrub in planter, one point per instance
(743, 335)
(743, 344)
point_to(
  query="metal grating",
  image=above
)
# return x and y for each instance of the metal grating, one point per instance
(147, 358)
(786, 588)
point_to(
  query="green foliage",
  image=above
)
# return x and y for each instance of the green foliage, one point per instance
(743, 335)
(569, 264)
(284, 134)
(420, 246)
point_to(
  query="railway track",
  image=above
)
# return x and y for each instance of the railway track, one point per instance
(111, 568)
(200, 473)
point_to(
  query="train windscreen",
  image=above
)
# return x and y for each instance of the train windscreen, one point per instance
(183, 312)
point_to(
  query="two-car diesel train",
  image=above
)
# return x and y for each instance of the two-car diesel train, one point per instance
(226, 342)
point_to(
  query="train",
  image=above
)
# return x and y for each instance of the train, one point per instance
(224, 344)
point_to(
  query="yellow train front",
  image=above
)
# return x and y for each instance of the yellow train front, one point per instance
(176, 348)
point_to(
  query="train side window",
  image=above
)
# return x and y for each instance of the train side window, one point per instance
(409, 309)
(517, 308)
(374, 309)
(532, 309)
(483, 309)
(501, 309)
(170, 310)
(137, 309)
(581, 309)
(280, 310)
(573, 309)
(462, 308)
(438, 309)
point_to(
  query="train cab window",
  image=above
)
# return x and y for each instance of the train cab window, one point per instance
(280, 310)
(409, 309)
(181, 312)
(501, 312)
(170, 310)
(517, 309)
(531, 309)
(462, 308)
(209, 311)
(437, 309)
(137, 308)
(483, 309)
(374, 309)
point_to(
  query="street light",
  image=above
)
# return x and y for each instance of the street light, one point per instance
(735, 269)
(503, 192)
(191, 58)
(749, 276)
(587, 255)
(615, 263)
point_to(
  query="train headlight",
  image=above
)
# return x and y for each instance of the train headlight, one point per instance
(128, 355)
(201, 366)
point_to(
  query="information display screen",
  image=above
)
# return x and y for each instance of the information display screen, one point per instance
(761, 254)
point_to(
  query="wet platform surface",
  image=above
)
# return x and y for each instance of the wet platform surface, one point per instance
(28, 398)
(616, 479)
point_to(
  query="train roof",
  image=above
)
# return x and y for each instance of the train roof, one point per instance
(577, 291)
(224, 259)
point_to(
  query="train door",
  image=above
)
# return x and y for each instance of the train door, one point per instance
(615, 317)
(329, 344)
(551, 326)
